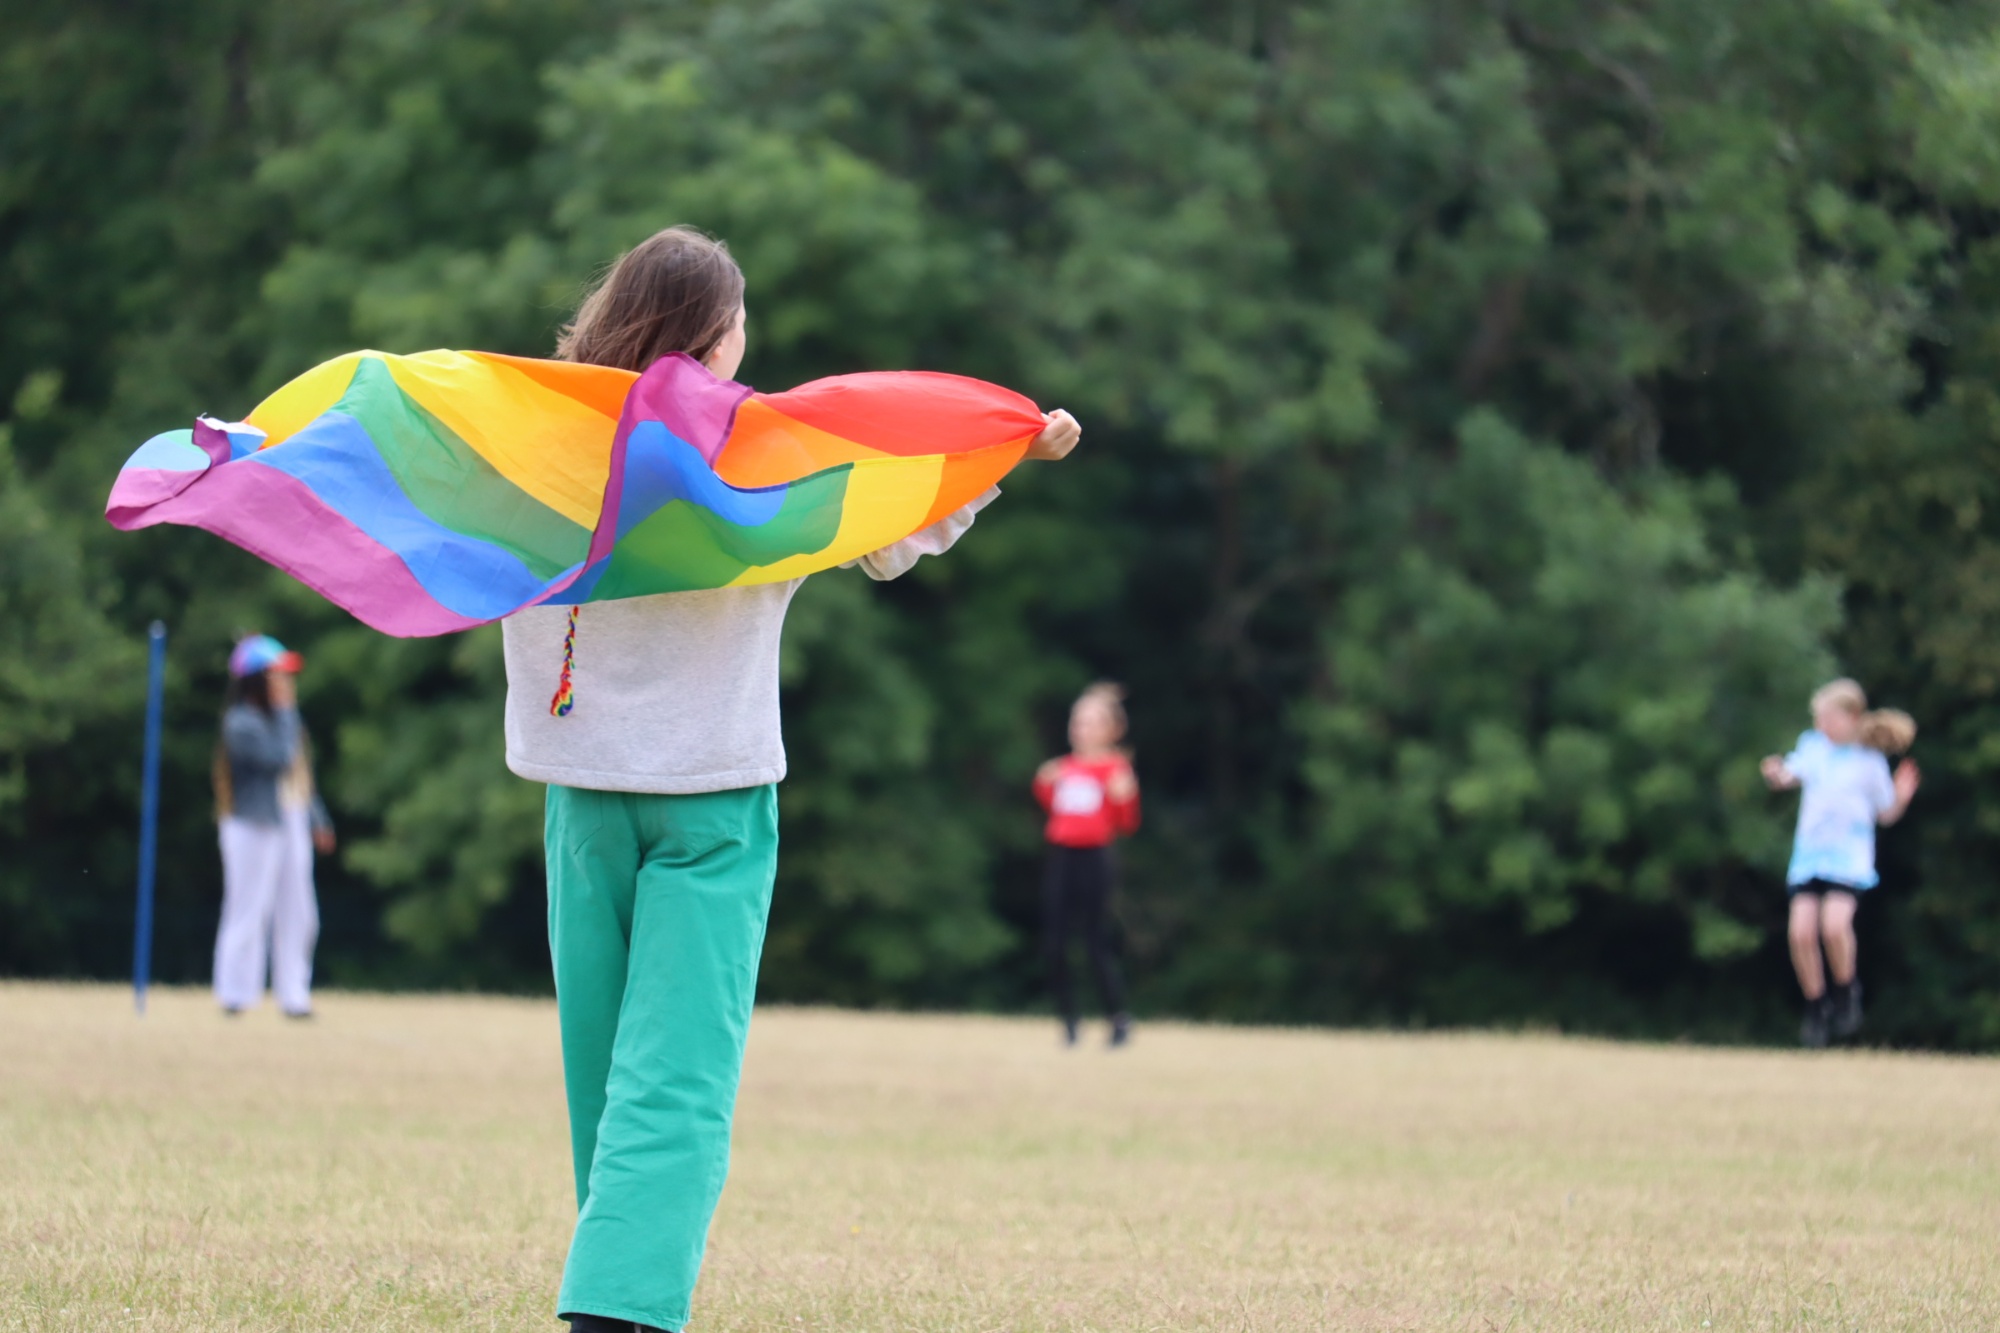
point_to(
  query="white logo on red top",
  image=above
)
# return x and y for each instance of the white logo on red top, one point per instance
(1077, 794)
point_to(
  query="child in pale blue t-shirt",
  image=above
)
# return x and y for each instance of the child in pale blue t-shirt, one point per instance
(1843, 769)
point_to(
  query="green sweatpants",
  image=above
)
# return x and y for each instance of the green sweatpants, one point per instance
(657, 906)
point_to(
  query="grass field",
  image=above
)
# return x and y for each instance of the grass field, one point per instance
(401, 1164)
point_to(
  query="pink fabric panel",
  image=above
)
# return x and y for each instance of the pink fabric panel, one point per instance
(266, 512)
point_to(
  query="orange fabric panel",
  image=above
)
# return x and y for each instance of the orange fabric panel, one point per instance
(966, 476)
(766, 447)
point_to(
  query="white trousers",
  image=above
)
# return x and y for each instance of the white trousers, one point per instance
(270, 916)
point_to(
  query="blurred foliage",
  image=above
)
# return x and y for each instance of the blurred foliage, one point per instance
(1499, 416)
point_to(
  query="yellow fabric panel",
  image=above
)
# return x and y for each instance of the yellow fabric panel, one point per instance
(550, 445)
(886, 501)
(301, 401)
(600, 388)
(768, 448)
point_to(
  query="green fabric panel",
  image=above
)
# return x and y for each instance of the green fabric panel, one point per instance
(686, 548)
(808, 521)
(672, 551)
(450, 482)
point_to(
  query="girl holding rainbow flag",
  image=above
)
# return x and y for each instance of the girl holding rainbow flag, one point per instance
(662, 753)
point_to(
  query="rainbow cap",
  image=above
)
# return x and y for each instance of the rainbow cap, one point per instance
(261, 652)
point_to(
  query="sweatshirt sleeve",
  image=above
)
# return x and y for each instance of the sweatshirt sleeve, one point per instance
(1045, 791)
(321, 817)
(1799, 762)
(322, 820)
(895, 559)
(1125, 813)
(256, 740)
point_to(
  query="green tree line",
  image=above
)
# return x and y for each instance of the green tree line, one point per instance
(1499, 415)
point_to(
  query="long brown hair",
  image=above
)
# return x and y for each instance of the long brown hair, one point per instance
(255, 690)
(676, 291)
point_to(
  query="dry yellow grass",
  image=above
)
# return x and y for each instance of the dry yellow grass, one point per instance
(401, 1163)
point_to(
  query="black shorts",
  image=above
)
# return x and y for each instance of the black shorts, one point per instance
(1821, 887)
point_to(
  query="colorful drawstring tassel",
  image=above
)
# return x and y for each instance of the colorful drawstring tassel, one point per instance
(565, 695)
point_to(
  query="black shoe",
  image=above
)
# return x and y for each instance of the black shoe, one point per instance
(1846, 1006)
(1121, 1029)
(1813, 1027)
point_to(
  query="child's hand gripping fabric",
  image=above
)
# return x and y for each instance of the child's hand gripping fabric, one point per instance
(1058, 437)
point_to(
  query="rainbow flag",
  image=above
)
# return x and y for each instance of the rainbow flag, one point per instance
(430, 493)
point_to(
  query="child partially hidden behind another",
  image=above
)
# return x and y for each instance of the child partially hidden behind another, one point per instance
(1842, 767)
(1092, 799)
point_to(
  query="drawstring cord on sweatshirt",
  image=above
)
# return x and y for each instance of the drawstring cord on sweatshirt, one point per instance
(565, 694)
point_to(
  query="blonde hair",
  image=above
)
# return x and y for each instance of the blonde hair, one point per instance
(1111, 695)
(1889, 730)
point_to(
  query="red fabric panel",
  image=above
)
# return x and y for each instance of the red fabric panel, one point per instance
(911, 412)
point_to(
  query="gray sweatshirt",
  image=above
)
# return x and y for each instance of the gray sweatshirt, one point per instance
(674, 693)
(266, 752)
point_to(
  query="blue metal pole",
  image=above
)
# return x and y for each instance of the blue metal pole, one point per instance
(149, 814)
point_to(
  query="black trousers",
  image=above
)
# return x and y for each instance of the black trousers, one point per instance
(1076, 897)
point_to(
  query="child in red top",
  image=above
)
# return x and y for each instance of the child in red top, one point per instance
(1092, 799)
